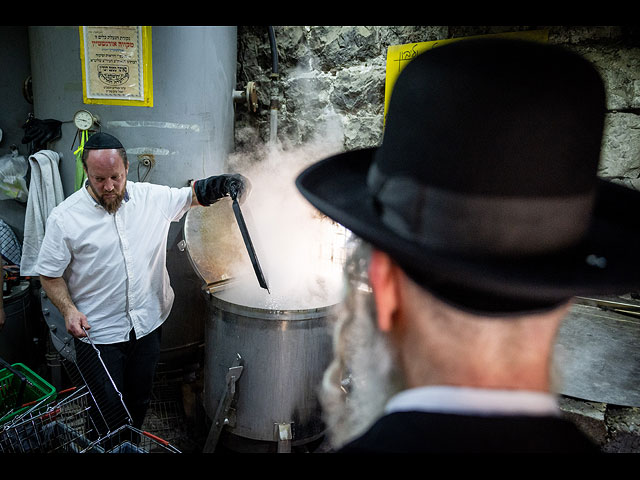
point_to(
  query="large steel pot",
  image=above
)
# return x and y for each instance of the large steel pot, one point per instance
(283, 355)
(265, 353)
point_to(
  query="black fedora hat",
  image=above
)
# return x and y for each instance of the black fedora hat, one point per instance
(485, 187)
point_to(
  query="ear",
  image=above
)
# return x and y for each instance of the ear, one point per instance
(383, 280)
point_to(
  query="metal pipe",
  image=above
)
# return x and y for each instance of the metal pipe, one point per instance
(274, 51)
(275, 105)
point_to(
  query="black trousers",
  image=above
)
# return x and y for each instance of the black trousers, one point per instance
(131, 368)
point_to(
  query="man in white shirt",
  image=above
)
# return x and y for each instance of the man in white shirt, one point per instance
(481, 214)
(103, 262)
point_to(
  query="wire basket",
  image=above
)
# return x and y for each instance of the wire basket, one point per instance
(71, 425)
(64, 426)
(90, 417)
(21, 390)
(128, 439)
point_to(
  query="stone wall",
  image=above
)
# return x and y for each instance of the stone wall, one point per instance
(337, 75)
(330, 85)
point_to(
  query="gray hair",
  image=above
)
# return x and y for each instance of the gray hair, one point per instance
(363, 373)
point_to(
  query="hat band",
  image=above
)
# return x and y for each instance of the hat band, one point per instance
(474, 224)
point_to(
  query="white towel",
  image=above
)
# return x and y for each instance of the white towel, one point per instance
(45, 192)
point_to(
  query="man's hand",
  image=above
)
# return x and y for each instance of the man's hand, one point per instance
(209, 190)
(238, 187)
(75, 321)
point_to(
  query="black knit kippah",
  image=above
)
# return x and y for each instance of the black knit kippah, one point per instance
(102, 141)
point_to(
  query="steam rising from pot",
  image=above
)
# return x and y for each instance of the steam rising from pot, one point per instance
(301, 251)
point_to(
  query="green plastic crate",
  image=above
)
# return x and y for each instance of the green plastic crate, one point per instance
(20, 390)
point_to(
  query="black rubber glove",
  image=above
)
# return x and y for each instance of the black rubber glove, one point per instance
(238, 187)
(210, 190)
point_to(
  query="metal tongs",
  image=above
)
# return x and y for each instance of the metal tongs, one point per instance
(247, 239)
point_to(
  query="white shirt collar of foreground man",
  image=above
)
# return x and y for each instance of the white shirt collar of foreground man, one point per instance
(476, 401)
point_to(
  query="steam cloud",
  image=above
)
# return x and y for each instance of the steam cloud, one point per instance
(300, 251)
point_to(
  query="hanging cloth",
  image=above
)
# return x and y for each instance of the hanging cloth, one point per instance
(80, 173)
(45, 192)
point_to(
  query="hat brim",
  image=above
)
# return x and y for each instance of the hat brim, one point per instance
(605, 262)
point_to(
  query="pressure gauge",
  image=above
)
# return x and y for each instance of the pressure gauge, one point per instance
(83, 119)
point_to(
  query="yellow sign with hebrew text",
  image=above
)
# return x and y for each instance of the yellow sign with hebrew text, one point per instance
(398, 56)
(116, 65)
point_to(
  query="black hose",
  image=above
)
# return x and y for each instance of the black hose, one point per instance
(274, 50)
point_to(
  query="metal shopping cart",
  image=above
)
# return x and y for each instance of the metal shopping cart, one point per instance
(87, 418)
(70, 426)
(64, 426)
(128, 439)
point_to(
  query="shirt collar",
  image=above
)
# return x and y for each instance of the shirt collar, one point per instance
(477, 401)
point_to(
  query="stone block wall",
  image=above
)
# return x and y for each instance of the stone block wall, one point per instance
(336, 75)
(330, 89)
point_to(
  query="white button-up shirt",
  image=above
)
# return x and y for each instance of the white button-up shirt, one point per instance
(115, 264)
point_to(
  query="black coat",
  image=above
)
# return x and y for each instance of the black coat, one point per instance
(420, 432)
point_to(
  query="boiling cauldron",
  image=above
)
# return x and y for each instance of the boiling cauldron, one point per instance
(265, 353)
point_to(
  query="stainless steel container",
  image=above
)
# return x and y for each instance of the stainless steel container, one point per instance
(265, 353)
(283, 355)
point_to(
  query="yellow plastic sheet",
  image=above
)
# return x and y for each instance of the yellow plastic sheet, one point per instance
(398, 56)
